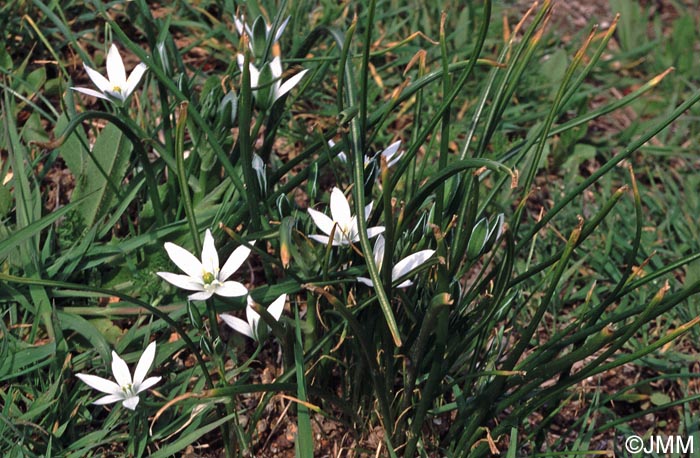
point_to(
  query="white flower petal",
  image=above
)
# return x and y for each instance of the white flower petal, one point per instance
(395, 160)
(368, 209)
(231, 289)
(253, 318)
(210, 258)
(99, 383)
(238, 325)
(324, 223)
(181, 281)
(340, 208)
(277, 307)
(276, 67)
(290, 84)
(353, 232)
(374, 231)
(235, 261)
(241, 27)
(115, 67)
(109, 399)
(131, 402)
(203, 296)
(146, 384)
(497, 226)
(135, 78)
(102, 83)
(281, 28)
(254, 73)
(410, 263)
(254, 76)
(185, 260)
(405, 284)
(379, 252)
(365, 281)
(389, 152)
(91, 92)
(323, 239)
(144, 364)
(120, 370)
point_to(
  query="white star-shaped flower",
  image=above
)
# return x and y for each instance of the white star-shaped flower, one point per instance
(252, 327)
(117, 87)
(267, 90)
(390, 154)
(205, 276)
(125, 389)
(401, 268)
(343, 221)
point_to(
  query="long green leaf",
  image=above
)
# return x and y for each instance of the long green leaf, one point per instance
(103, 174)
(305, 442)
(190, 438)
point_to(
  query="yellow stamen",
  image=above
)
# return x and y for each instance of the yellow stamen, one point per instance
(208, 277)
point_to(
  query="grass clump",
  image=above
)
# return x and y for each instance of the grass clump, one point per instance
(393, 234)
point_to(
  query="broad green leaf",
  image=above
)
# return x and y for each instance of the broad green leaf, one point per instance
(683, 33)
(305, 441)
(27, 198)
(11, 242)
(259, 36)
(659, 398)
(74, 149)
(23, 358)
(582, 152)
(33, 130)
(554, 68)
(5, 201)
(108, 329)
(103, 174)
(35, 80)
(477, 239)
(86, 329)
(692, 272)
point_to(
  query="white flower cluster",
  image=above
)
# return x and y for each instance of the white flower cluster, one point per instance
(204, 277)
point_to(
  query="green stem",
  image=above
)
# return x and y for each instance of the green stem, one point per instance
(244, 143)
(357, 133)
(230, 440)
(434, 376)
(182, 176)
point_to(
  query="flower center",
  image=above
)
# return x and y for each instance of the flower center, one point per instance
(128, 390)
(116, 88)
(211, 282)
(208, 278)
